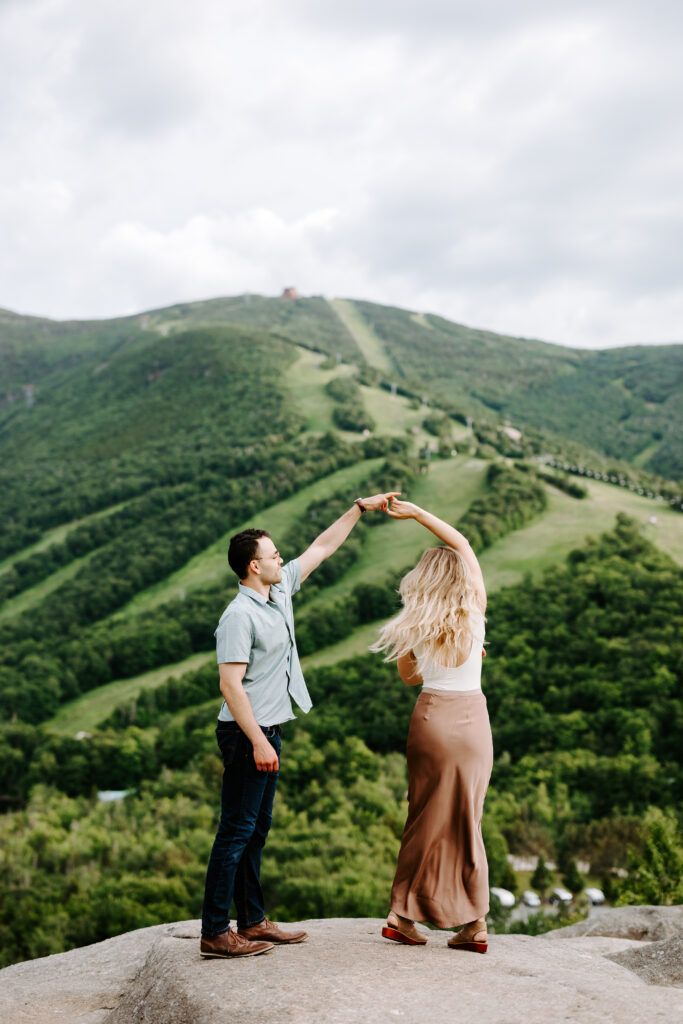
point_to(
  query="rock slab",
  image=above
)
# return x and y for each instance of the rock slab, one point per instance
(345, 973)
(650, 924)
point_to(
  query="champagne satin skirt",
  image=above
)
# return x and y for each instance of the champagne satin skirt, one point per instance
(442, 872)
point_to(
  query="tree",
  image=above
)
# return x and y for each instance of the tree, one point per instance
(542, 877)
(573, 879)
(656, 870)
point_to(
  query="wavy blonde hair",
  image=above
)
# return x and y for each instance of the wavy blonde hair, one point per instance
(441, 609)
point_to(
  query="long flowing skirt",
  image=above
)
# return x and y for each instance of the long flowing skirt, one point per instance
(442, 873)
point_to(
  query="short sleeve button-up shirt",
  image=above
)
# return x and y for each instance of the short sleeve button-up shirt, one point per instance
(259, 631)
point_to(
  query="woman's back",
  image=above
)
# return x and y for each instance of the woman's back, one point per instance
(461, 678)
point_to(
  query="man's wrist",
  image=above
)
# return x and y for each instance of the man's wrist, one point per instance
(361, 506)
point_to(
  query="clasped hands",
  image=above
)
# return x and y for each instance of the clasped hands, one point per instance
(390, 504)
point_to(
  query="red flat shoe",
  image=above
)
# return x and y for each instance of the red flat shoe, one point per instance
(413, 939)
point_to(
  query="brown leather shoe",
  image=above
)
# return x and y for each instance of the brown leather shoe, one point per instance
(271, 933)
(473, 941)
(402, 930)
(229, 944)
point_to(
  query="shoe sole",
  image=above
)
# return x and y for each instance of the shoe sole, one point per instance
(285, 942)
(396, 936)
(470, 947)
(234, 956)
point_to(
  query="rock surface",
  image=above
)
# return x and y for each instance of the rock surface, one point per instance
(346, 972)
(83, 985)
(658, 963)
(651, 924)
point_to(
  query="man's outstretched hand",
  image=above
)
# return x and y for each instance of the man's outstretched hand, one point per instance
(379, 502)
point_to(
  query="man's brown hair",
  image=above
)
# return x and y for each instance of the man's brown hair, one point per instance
(243, 547)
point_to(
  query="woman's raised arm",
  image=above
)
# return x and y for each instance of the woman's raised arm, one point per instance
(446, 533)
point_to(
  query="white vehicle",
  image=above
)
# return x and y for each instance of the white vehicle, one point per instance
(596, 896)
(560, 895)
(531, 898)
(504, 896)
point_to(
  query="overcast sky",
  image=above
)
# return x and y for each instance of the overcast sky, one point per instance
(510, 164)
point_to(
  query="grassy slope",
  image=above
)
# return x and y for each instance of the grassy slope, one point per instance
(56, 536)
(357, 643)
(393, 414)
(567, 523)
(86, 712)
(305, 381)
(34, 595)
(370, 345)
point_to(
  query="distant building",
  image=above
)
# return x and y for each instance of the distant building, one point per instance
(513, 433)
(290, 293)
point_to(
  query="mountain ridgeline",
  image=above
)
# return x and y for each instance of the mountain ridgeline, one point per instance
(626, 403)
(133, 448)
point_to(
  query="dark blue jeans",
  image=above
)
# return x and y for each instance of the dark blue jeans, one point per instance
(234, 870)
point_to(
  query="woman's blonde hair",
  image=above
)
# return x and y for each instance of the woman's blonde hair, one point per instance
(441, 609)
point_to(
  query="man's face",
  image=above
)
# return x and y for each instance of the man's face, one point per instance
(269, 561)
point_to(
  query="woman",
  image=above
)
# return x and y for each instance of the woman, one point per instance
(437, 641)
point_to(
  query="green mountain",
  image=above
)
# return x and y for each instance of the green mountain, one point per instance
(626, 403)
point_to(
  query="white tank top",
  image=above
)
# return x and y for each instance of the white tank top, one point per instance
(456, 678)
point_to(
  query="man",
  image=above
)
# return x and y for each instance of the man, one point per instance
(259, 672)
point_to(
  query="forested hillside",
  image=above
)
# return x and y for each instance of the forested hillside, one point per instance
(133, 449)
(627, 403)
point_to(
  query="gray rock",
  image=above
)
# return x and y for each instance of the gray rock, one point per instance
(83, 985)
(345, 973)
(652, 924)
(657, 963)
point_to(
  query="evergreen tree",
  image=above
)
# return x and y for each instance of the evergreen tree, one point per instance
(542, 878)
(573, 879)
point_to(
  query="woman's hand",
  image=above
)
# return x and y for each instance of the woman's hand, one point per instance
(403, 509)
(379, 502)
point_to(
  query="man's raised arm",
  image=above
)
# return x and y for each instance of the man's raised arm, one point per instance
(334, 536)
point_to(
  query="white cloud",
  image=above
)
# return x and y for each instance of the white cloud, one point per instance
(513, 166)
(254, 251)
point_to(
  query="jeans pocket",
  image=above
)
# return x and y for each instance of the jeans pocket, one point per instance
(228, 749)
(229, 744)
